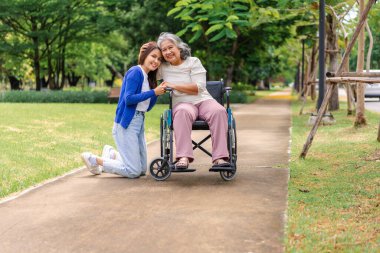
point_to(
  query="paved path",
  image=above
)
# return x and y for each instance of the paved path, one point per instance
(196, 212)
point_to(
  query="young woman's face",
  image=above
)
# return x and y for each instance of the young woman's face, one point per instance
(153, 60)
(171, 52)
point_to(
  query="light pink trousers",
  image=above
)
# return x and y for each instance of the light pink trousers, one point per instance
(184, 114)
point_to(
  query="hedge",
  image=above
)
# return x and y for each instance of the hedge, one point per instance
(83, 97)
(54, 96)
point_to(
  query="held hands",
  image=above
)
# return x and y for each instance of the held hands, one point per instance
(167, 84)
(159, 90)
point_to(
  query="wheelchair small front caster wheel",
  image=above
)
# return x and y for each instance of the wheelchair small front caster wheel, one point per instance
(159, 169)
(228, 175)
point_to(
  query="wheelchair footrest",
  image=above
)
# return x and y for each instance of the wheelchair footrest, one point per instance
(182, 170)
(218, 169)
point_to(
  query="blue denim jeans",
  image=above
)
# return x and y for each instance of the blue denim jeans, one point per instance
(130, 143)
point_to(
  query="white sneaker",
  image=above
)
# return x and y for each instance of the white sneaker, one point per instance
(108, 152)
(93, 168)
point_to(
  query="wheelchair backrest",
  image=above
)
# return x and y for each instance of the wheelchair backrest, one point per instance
(216, 90)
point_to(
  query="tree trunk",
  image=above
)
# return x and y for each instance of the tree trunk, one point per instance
(266, 83)
(73, 79)
(231, 68)
(63, 74)
(332, 49)
(51, 80)
(36, 57)
(350, 100)
(15, 83)
(369, 53)
(360, 119)
(63, 43)
(378, 134)
(297, 79)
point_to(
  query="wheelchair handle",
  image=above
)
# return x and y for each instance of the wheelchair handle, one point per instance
(227, 90)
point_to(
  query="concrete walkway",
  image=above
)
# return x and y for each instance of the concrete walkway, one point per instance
(192, 212)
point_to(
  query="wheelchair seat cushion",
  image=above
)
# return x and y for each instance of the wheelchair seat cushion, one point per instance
(200, 125)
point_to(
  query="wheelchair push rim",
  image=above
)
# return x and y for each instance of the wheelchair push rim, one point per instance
(228, 175)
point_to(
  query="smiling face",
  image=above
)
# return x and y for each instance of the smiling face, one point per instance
(171, 52)
(152, 61)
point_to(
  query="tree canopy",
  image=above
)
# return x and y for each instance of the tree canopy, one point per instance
(60, 41)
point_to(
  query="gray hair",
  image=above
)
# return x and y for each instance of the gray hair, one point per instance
(184, 49)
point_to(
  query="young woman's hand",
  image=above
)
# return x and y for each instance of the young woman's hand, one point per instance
(159, 90)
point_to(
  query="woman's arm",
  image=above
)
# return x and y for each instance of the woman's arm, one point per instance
(188, 88)
(132, 83)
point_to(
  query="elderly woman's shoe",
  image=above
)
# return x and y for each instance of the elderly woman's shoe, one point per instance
(221, 163)
(182, 163)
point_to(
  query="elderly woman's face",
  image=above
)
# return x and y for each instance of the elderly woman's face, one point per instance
(171, 52)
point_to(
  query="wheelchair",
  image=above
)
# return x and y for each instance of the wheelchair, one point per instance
(162, 167)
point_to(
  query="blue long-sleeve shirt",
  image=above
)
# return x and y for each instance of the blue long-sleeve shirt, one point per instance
(131, 95)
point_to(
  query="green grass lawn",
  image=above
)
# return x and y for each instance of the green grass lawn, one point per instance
(333, 203)
(41, 141)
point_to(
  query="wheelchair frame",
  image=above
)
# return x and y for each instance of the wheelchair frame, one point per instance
(162, 167)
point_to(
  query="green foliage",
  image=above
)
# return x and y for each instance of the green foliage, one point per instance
(239, 97)
(138, 22)
(41, 30)
(163, 99)
(216, 19)
(240, 35)
(54, 97)
(240, 86)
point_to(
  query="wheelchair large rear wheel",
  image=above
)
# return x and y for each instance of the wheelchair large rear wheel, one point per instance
(159, 169)
(232, 142)
(164, 137)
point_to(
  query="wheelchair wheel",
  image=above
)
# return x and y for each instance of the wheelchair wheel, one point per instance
(160, 169)
(164, 136)
(227, 175)
(232, 142)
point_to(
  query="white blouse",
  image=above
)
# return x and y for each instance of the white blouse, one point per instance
(190, 70)
(143, 105)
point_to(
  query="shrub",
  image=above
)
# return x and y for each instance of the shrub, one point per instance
(238, 97)
(54, 96)
(239, 86)
(164, 99)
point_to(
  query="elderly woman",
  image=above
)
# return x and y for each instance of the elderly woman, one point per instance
(191, 100)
